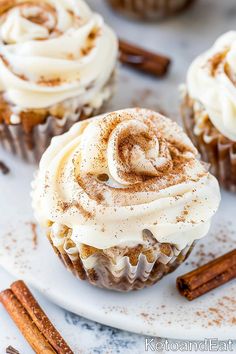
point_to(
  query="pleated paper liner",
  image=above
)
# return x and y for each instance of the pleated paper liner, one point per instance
(215, 149)
(31, 145)
(138, 269)
(149, 9)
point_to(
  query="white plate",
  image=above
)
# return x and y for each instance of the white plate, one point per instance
(158, 311)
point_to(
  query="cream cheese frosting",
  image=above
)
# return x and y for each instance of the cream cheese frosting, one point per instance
(53, 50)
(211, 80)
(113, 177)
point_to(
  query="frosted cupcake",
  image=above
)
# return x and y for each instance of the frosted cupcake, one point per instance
(149, 9)
(209, 107)
(57, 61)
(124, 198)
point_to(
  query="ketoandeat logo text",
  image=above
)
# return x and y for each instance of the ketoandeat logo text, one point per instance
(206, 345)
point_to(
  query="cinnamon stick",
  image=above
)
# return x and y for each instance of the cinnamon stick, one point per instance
(39, 317)
(25, 324)
(11, 350)
(143, 60)
(32, 320)
(208, 277)
(4, 168)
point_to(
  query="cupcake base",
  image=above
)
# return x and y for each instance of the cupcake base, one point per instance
(31, 145)
(149, 9)
(215, 149)
(30, 142)
(120, 269)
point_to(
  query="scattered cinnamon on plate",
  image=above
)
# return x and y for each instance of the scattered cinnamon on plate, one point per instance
(208, 277)
(32, 321)
(33, 227)
(143, 60)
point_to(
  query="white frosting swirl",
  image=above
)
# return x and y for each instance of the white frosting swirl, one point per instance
(211, 80)
(53, 50)
(113, 176)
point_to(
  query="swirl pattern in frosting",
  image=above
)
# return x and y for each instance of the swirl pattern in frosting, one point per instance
(114, 176)
(211, 80)
(53, 50)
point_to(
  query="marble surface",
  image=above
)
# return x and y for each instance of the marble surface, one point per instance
(182, 38)
(83, 336)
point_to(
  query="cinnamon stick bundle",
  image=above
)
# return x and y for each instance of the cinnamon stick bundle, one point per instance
(143, 60)
(208, 277)
(32, 321)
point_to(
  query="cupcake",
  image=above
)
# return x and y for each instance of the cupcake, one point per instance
(209, 108)
(123, 198)
(149, 9)
(57, 62)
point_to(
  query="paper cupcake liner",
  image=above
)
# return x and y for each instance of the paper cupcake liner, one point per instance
(149, 9)
(31, 145)
(121, 273)
(215, 149)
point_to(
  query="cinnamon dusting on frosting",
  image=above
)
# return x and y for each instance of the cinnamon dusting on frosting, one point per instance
(66, 206)
(50, 82)
(211, 84)
(123, 172)
(90, 43)
(44, 43)
(217, 62)
(40, 16)
(172, 150)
